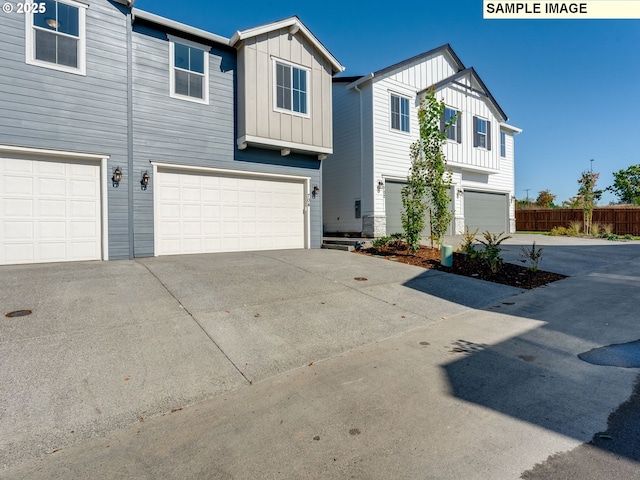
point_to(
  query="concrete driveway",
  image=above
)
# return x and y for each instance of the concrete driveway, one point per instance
(287, 364)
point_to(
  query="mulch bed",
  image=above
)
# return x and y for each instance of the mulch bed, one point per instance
(429, 258)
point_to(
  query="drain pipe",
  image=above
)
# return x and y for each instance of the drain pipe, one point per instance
(357, 89)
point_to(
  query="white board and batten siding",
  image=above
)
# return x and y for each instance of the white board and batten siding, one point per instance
(258, 119)
(389, 144)
(210, 211)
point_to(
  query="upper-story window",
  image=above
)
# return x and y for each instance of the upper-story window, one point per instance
(503, 144)
(55, 35)
(399, 113)
(452, 124)
(292, 91)
(189, 70)
(481, 133)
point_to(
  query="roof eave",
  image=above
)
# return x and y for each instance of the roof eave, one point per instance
(295, 25)
(180, 27)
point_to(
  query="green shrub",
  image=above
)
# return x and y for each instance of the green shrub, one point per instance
(532, 256)
(491, 252)
(381, 242)
(628, 237)
(574, 229)
(469, 242)
(557, 231)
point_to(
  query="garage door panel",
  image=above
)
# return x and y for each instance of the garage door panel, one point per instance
(485, 211)
(232, 214)
(19, 186)
(52, 230)
(18, 207)
(18, 230)
(51, 211)
(394, 209)
(19, 252)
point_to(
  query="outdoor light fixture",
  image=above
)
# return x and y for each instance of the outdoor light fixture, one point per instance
(117, 177)
(460, 192)
(380, 186)
(144, 181)
(315, 192)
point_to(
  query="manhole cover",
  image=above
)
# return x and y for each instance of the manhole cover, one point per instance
(360, 279)
(18, 313)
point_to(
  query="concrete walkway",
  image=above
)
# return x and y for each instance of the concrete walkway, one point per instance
(283, 365)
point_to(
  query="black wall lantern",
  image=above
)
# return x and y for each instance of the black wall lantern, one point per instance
(144, 181)
(315, 192)
(117, 177)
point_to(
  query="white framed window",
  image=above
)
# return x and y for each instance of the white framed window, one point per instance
(503, 144)
(55, 35)
(189, 70)
(452, 124)
(399, 113)
(291, 88)
(481, 133)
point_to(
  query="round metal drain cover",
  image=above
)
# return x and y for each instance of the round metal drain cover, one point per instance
(18, 313)
(360, 279)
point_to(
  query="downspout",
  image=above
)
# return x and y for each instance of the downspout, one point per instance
(130, 128)
(357, 88)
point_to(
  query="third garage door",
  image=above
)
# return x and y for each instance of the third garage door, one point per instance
(485, 211)
(202, 213)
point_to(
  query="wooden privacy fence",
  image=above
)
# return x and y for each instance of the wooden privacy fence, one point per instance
(623, 220)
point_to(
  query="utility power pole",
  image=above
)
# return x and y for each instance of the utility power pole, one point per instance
(527, 190)
(591, 165)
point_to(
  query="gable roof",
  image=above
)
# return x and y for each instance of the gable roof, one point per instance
(294, 25)
(443, 49)
(446, 48)
(482, 91)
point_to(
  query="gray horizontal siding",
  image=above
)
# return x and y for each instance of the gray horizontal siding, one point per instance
(45, 108)
(176, 131)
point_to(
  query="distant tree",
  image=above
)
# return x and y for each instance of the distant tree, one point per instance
(573, 202)
(626, 184)
(588, 196)
(545, 199)
(524, 204)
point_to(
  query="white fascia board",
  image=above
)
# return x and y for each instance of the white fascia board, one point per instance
(360, 81)
(515, 130)
(274, 144)
(181, 27)
(296, 26)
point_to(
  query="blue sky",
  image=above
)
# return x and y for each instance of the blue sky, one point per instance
(573, 86)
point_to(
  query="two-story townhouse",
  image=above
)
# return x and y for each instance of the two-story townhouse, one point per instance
(125, 134)
(375, 123)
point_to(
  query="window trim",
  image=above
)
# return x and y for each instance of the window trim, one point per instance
(401, 97)
(457, 124)
(477, 133)
(30, 42)
(503, 144)
(307, 70)
(206, 49)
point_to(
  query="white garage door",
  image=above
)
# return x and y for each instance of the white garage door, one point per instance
(49, 211)
(198, 213)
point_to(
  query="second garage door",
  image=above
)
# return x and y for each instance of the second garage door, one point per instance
(485, 211)
(201, 213)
